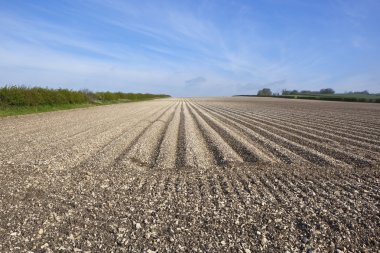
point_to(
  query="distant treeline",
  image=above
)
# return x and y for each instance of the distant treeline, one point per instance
(323, 94)
(36, 96)
(321, 91)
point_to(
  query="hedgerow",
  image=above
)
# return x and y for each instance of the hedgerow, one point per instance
(34, 96)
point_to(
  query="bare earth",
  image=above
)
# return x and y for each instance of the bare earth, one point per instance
(193, 175)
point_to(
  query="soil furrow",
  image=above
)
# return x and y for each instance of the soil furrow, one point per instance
(167, 152)
(121, 158)
(180, 161)
(279, 152)
(145, 151)
(354, 133)
(234, 141)
(197, 154)
(335, 139)
(308, 154)
(221, 151)
(332, 152)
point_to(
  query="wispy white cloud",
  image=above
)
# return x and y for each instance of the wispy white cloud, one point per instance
(195, 81)
(160, 46)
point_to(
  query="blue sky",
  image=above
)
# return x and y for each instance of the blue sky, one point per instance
(191, 48)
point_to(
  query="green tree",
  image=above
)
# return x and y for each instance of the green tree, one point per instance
(327, 91)
(266, 92)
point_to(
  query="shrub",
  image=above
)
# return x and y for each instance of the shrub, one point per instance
(350, 99)
(331, 98)
(307, 97)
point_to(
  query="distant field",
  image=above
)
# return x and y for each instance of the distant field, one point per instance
(371, 98)
(193, 175)
(337, 97)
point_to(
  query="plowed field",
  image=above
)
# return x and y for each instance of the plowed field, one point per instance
(193, 175)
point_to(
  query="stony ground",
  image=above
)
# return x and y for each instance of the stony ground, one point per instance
(193, 175)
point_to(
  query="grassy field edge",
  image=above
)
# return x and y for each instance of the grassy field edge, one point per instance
(23, 110)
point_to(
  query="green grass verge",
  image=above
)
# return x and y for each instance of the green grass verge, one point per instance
(22, 110)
